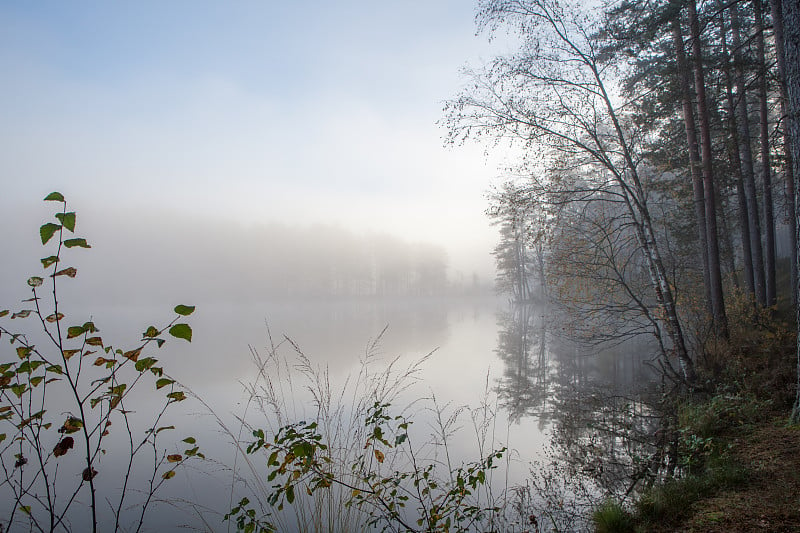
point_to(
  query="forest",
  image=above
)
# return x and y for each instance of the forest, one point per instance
(655, 197)
(657, 179)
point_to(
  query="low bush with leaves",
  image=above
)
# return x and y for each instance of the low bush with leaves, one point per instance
(416, 498)
(64, 390)
(347, 457)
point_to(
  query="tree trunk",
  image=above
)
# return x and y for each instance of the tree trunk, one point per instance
(744, 221)
(791, 26)
(777, 24)
(769, 217)
(715, 274)
(694, 157)
(746, 154)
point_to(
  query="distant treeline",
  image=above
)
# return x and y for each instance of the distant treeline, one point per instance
(225, 261)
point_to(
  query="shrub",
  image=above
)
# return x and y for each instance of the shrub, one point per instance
(611, 517)
(64, 390)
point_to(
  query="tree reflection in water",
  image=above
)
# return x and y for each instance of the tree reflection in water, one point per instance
(602, 408)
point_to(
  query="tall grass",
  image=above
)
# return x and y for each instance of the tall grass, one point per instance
(289, 387)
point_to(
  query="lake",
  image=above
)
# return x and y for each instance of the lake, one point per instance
(504, 374)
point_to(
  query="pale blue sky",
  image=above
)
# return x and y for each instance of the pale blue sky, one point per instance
(248, 111)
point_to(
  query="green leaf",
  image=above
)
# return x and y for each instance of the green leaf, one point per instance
(181, 331)
(4, 312)
(67, 220)
(145, 363)
(47, 261)
(54, 197)
(151, 332)
(72, 243)
(189, 440)
(24, 351)
(290, 493)
(19, 389)
(178, 396)
(75, 331)
(35, 281)
(46, 231)
(163, 428)
(184, 310)
(163, 382)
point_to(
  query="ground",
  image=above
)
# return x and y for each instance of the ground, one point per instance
(770, 499)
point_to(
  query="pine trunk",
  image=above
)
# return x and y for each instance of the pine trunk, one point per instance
(694, 158)
(715, 274)
(791, 27)
(746, 155)
(766, 165)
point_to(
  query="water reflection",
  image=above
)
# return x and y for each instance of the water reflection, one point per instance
(524, 389)
(599, 406)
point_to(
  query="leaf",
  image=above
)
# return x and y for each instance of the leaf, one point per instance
(21, 314)
(100, 361)
(145, 364)
(187, 440)
(379, 456)
(133, 355)
(71, 425)
(184, 310)
(54, 197)
(4, 312)
(75, 331)
(63, 446)
(19, 389)
(35, 281)
(24, 351)
(178, 396)
(164, 428)
(67, 220)
(54, 317)
(46, 231)
(175, 458)
(168, 474)
(151, 332)
(70, 272)
(69, 353)
(290, 493)
(181, 331)
(30, 419)
(48, 261)
(88, 474)
(94, 341)
(72, 243)
(163, 382)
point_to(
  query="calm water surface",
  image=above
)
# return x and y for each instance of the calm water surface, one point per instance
(479, 352)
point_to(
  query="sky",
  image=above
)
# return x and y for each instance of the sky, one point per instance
(242, 113)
